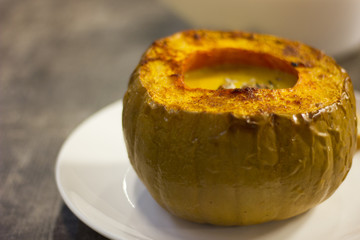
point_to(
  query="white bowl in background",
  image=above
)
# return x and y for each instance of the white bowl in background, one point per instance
(329, 25)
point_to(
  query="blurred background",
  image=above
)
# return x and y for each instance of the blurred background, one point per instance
(61, 61)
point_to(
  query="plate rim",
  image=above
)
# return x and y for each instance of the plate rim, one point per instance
(61, 189)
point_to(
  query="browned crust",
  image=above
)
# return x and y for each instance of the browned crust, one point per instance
(320, 79)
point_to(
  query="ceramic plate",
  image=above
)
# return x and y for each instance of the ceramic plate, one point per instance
(97, 183)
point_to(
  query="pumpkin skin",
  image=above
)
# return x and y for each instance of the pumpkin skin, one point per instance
(238, 156)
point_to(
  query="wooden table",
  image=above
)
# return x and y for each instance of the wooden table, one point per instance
(61, 61)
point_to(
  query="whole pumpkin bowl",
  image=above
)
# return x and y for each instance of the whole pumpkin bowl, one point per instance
(238, 155)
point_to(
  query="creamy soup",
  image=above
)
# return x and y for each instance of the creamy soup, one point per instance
(238, 76)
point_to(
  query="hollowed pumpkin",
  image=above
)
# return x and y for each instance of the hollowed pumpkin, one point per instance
(245, 155)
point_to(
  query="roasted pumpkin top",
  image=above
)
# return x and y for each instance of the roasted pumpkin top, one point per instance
(161, 72)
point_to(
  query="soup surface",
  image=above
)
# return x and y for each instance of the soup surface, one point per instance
(238, 76)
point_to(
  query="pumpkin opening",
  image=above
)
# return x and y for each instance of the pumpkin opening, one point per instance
(234, 68)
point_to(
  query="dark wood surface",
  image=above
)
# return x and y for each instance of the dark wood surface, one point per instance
(61, 61)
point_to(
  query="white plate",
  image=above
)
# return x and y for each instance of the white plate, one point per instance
(97, 183)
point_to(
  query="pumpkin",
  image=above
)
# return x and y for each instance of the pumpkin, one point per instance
(244, 155)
